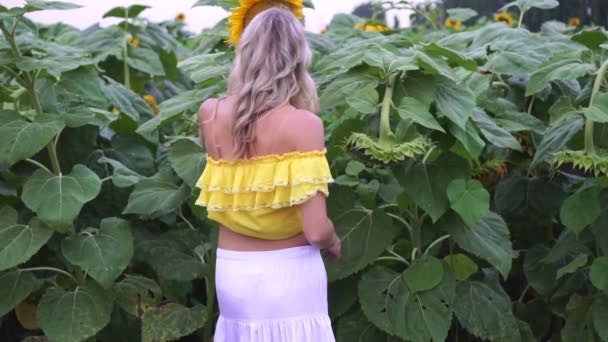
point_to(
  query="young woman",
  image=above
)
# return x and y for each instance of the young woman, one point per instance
(265, 183)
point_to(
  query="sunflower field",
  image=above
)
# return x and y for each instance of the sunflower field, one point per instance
(470, 158)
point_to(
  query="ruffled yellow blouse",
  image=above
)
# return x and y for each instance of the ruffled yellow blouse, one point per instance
(260, 196)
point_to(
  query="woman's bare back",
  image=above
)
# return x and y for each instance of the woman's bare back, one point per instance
(281, 130)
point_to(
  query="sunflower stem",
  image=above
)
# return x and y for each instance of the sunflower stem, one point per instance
(30, 85)
(521, 18)
(386, 135)
(589, 145)
(52, 269)
(435, 243)
(125, 57)
(32, 161)
(389, 258)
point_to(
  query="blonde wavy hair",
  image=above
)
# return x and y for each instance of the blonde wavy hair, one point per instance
(270, 70)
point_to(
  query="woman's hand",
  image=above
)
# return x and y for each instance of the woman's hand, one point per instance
(334, 251)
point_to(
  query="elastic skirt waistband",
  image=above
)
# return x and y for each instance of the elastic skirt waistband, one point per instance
(291, 252)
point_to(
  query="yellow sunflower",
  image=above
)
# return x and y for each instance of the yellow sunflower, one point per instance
(451, 23)
(503, 17)
(152, 102)
(574, 21)
(181, 17)
(371, 27)
(248, 9)
(134, 41)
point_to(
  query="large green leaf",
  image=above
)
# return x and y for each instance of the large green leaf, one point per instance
(40, 5)
(16, 286)
(345, 85)
(579, 323)
(157, 195)
(599, 313)
(488, 239)
(484, 310)
(558, 68)
(417, 111)
(417, 317)
(426, 184)
(225, 4)
(102, 253)
(172, 257)
(205, 66)
(581, 209)
(172, 321)
(18, 242)
(424, 274)
(526, 200)
(342, 295)
(573, 266)
(105, 42)
(345, 58)
(389, 62)
(454, 101)
(592, 38)
(598, 112)
(567, 246)
(496, 135)
(435, 65)
(514, 121)
(452, 56)
(462, 266)
(461, 14)
(125, 12)
(364, 233)
(513, 63)
(556, 137)
(21, 139)
(134, 291)
(188, 160)
(562, 109)
(469, 199)
(469, 138)
(57, 199)
(54, 65)
(598, 228)
(122, 176)
(355, 327)
(526, 5)
(146, 60)
(599, 273)
(364, 100)
(134, 153)
(173, 107)
(321, 43)
(421, 87)
(74, 315)
(540, 275)
(125, 100)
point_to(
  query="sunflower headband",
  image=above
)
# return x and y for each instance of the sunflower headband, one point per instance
(248, 9)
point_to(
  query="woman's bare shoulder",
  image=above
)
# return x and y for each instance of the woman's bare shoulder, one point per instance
(206, 109)
(305, 130)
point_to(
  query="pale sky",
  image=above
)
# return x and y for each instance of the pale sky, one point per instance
(196, 18)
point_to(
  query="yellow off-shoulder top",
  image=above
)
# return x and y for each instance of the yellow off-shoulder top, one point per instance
(260, 196)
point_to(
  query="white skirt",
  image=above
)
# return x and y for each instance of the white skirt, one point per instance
(272, 296)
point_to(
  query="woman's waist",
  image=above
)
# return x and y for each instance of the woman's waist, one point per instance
(231, 240)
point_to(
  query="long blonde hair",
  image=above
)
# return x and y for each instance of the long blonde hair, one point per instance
(270, 70)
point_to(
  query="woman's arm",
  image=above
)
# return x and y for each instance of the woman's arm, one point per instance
(318, 228)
